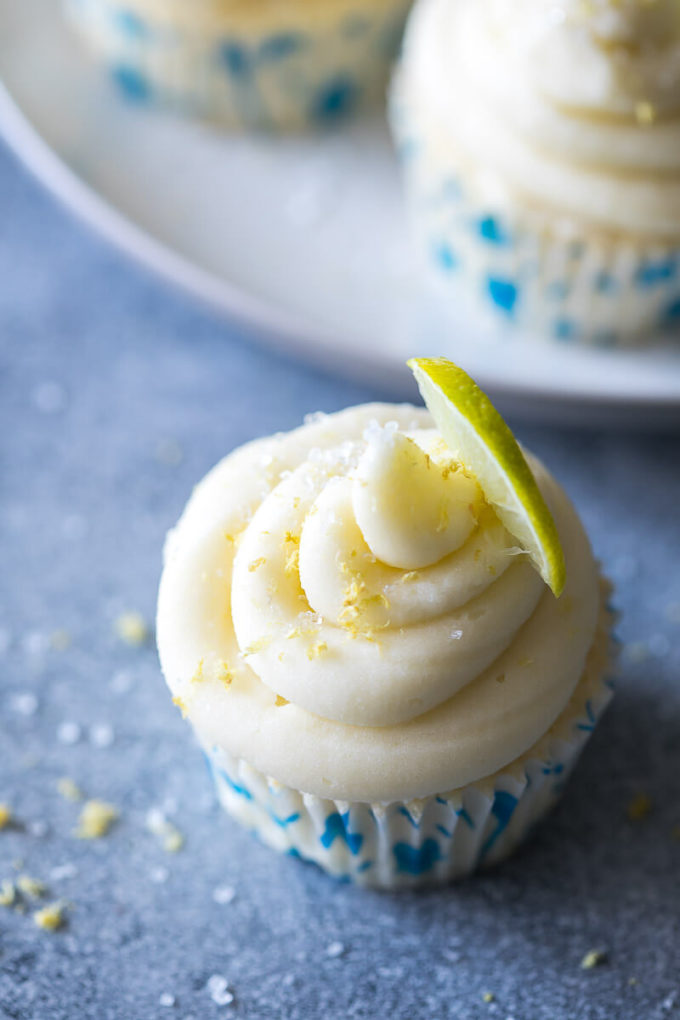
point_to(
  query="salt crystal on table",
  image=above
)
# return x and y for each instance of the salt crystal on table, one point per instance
(25, 704)
(121, 682)
(69, 733)
(101, 735)
(218, 989)
(224, 894)
(35, 644)
(63, 871)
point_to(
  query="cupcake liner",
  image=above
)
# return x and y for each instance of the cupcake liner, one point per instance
(254, 66)
(434, 840)
(541, 271)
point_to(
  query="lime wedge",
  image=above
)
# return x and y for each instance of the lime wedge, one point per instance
(474, 430)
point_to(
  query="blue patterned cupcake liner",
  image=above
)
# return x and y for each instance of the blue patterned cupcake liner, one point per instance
(435, 840)
(533, 270)
(244, 69)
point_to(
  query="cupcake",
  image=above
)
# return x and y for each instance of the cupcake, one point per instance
(352, 619)
(541, 151)
(247, 63)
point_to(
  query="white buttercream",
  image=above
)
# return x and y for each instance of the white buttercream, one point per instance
(572, 105)
(292, 643)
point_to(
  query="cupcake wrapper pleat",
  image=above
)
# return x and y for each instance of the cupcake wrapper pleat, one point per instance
(247, 71)
(431, 841)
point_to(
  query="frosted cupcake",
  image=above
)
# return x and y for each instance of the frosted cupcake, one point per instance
(247, 63)
(541, 145)
(380, 678)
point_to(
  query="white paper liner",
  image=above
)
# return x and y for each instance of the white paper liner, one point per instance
(437, 839)
(541, 271)
(248, 71)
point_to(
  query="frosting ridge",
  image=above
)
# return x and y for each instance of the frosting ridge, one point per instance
(579, 100)
(312, 622)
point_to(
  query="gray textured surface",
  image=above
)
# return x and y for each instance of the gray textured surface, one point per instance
(104, 376)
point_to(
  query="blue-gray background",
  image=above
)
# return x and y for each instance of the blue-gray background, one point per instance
(116, 395)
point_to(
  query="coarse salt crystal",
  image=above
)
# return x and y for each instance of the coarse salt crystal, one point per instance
(224, 894)
(69, 733)
(121, 682)
(314, 417)
(101, 735)
(63, 871)
(218, 989)
(35, 644)
(25, 704)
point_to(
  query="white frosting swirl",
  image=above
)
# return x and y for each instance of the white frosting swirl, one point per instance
(573, 104)
(341, 607)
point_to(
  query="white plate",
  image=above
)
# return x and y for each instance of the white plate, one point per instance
(303, 239)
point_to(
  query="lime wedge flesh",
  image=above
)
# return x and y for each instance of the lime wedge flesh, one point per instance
(478, 436)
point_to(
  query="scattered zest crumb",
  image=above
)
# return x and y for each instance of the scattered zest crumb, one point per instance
(8, 893)
(639, 807)
(60, 640)
(594, 958)
(181, 705)
(5, 815)
(31, 887)
(198, 676)
(96, 819)
(280, 702)
(132, 629)
(259, 562)
(645, 112)
(69, 790)
(488, 997)
(51, 917)
(314, 651)
(632, 981)
(258, 645)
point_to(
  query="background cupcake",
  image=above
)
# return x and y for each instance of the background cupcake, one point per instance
(247, 63)
(380, 683)
(541, 146)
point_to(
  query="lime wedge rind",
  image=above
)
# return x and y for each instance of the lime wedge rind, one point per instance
(477, 434)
